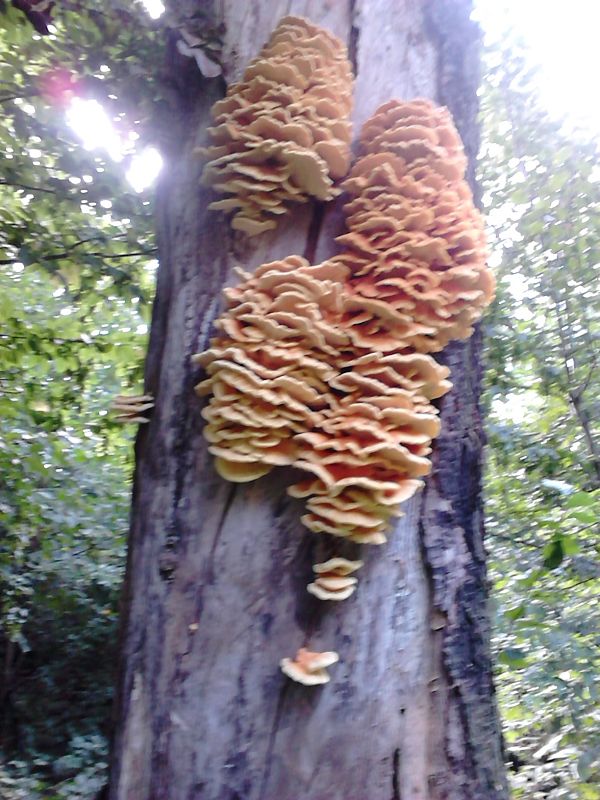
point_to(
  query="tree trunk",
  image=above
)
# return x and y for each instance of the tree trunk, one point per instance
(215, 590)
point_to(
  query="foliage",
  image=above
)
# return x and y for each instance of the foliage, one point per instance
(77, 248)
(543, 384)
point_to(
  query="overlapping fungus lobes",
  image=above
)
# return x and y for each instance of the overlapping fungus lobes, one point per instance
(415, 243)
(282, 134)
(269, 369)
(289, 387)
(326, 367)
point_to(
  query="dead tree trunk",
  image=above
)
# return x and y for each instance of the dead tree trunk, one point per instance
(215, 589)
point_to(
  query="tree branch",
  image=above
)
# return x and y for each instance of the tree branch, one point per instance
(65, 254)
(26, 187)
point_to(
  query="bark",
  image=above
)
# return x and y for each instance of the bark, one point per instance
(215, 587)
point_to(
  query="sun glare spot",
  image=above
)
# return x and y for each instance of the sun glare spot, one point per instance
(93, 126)
(144, 168)
(155, 8)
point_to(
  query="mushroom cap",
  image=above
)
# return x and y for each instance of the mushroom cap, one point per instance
(122, 399)
(130, 408)
(339, 592)
(311, 661)
(240, 472)
(309, 668)
(293, 671)
(338, 565)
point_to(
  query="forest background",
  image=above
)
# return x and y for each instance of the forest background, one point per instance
(78, 261)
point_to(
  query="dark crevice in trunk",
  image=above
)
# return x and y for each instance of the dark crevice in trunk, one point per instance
(354, 36)
(396, 775)
(453, 507)
(283, 691)
(314, 232)
(231, 493)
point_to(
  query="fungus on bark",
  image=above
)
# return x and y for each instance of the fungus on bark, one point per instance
(415, 243)
(326, 367)
(309, 668)
(333, 579)
(132, 409)
(268, 372)
(289, 387)
(282, 134)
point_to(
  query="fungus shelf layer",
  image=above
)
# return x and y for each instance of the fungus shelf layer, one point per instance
(309, 668)
(334, 579)
(282, 134)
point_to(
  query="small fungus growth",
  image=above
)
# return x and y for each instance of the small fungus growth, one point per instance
(309, 668)
(282, 134)
(132, 409)
(333, 579)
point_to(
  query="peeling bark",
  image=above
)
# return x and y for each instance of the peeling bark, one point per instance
(215, 588)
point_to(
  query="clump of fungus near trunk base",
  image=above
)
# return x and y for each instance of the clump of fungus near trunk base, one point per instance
(282, 134)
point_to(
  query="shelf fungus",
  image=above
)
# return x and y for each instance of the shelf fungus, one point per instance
(282, 134)
(333, 579)
(360, 508)
(269, 369)
(132, 409)
(327, 367)
(290, 387)
(309, 668)
(415, 243)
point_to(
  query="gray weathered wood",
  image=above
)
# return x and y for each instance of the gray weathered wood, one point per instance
(215, 588)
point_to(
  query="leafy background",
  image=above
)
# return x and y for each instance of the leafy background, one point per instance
(77, 253)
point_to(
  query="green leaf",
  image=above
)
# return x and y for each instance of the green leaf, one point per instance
(570, 545)
(585, 516)
(580, 499)
(553, 554)
(513, 657)
(515, 613)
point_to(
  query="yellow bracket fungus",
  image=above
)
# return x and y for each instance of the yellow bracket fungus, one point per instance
(282, 134)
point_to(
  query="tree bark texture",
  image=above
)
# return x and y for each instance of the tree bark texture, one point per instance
(215, 589)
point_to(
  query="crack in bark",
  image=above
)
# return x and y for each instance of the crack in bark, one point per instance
(314, 231)
(354, 36)
(231, 492)
(396, 775)
(273, 734)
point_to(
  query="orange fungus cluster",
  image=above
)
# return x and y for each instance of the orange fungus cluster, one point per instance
(327, 367)
(282, 134)
(415, 243)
